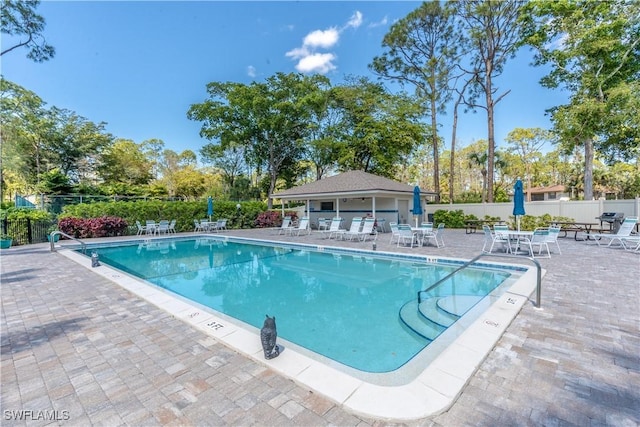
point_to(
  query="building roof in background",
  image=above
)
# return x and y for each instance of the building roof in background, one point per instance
(349, 183)
(558, 188)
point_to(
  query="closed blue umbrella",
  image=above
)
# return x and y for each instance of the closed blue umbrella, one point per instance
(210, 207)
(417, 205)
(518, 201)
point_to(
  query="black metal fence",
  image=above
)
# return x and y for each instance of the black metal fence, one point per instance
(24, 230)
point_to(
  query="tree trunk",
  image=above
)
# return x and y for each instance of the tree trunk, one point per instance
(436, 162)
(588, 169)
(453, 152)
(491, 141)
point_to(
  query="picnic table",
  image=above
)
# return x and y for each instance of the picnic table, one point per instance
(577, 227)
(471, 226)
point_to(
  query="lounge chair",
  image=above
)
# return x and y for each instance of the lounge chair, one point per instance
(625, 230)
(303, 225)
(364, 233)
(334, 227)
(631, 243)
(356, 223)
(286, 224)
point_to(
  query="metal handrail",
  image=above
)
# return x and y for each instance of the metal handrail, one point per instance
(52, 242)
(468, 263)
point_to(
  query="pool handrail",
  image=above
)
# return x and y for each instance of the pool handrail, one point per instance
(468, 263)
(58, 232)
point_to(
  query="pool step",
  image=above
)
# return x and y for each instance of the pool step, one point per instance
(458, 304)
(411, 317)
(429, 308)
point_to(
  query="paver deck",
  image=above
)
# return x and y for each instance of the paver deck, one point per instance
(78, 349)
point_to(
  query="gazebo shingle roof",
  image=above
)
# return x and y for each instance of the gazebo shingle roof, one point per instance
(348, 182)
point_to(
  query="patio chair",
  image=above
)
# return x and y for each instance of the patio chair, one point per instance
(172, 226)
(323, 224)
(356, 222)
(539, 239)
(334, 227)
(491, 238)
(436, 236)
(365, 232)
(394, 231)
(141, 228)
(625, 230)
(197, 226)
(552, 237)
(220, 225)
(286, 223)
(163, 227)
(303, 225)
(631, 243)
(406, 234)
(151, 227)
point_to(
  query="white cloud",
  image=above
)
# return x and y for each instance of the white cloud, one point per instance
(251, 71)
(356, 20)
(324, 39)
(307, 55)
(317, 63)
(380, 23)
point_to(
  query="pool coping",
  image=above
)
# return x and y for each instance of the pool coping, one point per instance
(432, 392)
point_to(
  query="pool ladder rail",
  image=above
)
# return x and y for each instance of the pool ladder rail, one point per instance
(52, 242)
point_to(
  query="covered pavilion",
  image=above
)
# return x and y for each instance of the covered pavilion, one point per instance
(355, 193)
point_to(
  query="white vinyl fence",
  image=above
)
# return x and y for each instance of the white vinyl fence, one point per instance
(578, 210)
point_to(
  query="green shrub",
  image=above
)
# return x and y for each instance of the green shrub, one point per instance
(183, 212)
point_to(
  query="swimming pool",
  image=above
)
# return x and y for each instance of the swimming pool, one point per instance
(356, 308)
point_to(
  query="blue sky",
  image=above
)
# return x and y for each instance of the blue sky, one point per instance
(139, 65)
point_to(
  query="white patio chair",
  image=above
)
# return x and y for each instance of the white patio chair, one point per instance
(406, 234)
(491, 238)
(172, 226)
(625, 230)
(435, 235)
(364, 233)
(163, 227)
(539, 239)
(356, 223)
(552, 237)
(141, 228)
(303, 226)
(394, 231)
(286, 224)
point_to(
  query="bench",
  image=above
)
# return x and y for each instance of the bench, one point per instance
(471, 226)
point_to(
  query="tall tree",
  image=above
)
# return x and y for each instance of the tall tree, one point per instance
(421, 50)
(593, 49)
(19, 20)
(378, 130)
(492, 30)
(526, 144)
(269, 119)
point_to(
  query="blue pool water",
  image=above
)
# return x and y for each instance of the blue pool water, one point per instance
(344, 306)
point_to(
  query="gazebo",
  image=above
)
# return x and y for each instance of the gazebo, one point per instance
(355, 193)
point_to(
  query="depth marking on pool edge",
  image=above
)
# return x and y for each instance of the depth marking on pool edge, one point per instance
(491, 323)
